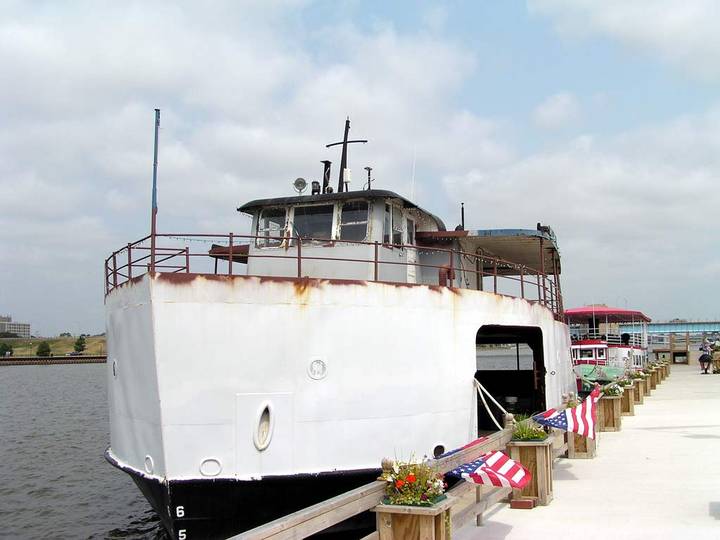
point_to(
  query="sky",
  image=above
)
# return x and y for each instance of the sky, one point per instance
(598, 118)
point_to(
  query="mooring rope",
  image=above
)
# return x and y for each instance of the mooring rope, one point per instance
(481, 390)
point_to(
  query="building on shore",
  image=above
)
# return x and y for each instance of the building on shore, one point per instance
(7, 325)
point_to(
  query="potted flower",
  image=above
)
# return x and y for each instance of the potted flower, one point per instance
(531, 446)
(609, 415)
(528, 430)
(646, 376)
(413, 484)
(415, 503)
(639, 383)
(627, 404)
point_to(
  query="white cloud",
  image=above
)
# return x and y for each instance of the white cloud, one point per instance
(684, 33)
(249, 98)
(633, 213)
(557, 111)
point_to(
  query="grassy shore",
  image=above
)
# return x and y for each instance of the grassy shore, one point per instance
(58, 346)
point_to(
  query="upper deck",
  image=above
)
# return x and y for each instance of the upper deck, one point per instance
(603, 325)
(370, 235)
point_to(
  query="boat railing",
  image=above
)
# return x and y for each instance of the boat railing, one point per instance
(228, 253)
(627, 339)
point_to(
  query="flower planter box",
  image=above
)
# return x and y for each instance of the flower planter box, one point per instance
(580, 447)
(537, 457)
(627, 405)
(653, 379)
(648, 388)
(639, 396)
(609, 416)
(398, 522)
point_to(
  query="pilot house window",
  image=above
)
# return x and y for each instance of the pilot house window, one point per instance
(313, 222)
(270, 227)
(392, 224)
(353, 221)
(397, 226)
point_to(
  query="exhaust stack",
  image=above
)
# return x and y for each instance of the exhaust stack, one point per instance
(326, 175)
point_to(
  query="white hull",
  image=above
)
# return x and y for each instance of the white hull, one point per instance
(193, 360)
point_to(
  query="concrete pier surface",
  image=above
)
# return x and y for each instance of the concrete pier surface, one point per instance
(658, 478)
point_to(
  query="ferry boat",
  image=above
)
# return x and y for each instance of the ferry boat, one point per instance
(614, 339)
(252, 375)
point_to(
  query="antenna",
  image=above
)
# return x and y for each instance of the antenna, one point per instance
(343, 159)
(412, 178)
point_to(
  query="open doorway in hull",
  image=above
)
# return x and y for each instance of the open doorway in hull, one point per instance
(511, 366)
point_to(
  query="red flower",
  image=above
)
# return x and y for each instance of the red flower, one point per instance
(410, 478)
(399, 483)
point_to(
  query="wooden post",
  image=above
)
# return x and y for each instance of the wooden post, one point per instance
(628, 401)
(609, 417)
(648, 388)
(537, 457)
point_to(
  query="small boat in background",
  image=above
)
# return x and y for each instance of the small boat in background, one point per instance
(607, 341)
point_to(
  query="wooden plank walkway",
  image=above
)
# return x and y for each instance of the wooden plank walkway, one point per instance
(658, 478)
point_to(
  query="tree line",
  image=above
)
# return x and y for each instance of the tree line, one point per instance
(43, 348)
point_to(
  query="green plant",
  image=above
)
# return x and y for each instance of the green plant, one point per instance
(79, 344)
(613, 389)
(410, 483)
(5, 350)
(43, 349)
(527, 430)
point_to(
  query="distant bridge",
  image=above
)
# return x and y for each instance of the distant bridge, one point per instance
(694, 327)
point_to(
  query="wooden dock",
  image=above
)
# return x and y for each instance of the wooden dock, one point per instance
(656, 478)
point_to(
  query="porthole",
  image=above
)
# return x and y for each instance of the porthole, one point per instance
(264, 427)
(210, 467)
(149, 464)
(438, 451)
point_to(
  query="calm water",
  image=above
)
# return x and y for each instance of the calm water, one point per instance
(54, 481)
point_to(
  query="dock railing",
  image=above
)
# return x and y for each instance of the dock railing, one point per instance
(326, 514)
(226, 254)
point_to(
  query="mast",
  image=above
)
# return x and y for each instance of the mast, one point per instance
(153, 212)
(343, 159)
